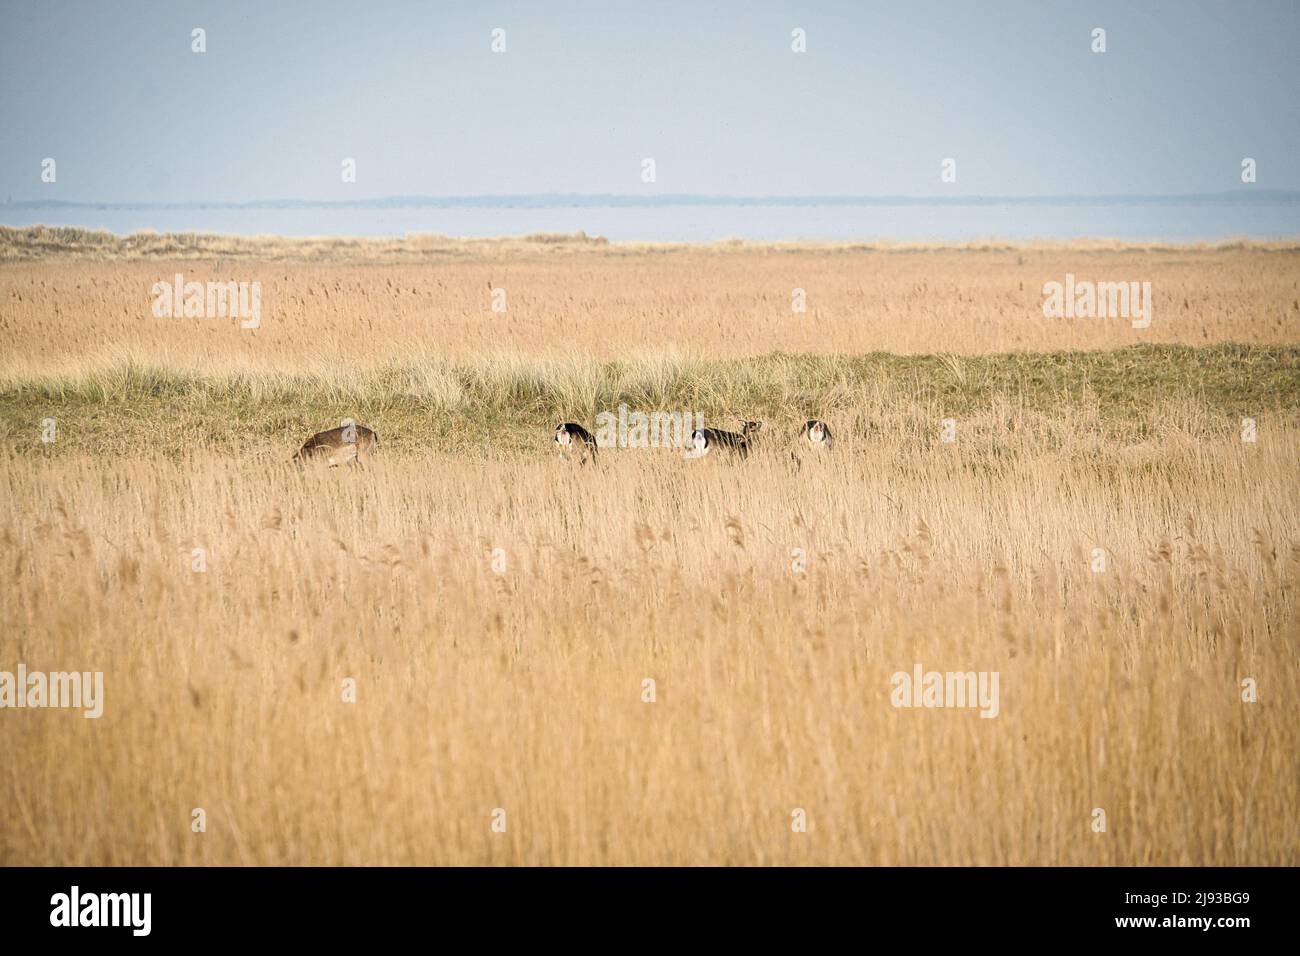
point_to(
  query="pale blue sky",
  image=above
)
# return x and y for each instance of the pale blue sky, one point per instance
(586, 90)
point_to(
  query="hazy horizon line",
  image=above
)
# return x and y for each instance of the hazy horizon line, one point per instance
(633, 200)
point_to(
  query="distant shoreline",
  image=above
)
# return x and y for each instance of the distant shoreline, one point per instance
(703, 219)
(34, 243)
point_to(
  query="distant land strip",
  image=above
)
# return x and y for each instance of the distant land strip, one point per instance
(1244, 196)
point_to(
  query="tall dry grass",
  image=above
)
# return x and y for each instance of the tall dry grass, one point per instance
(769, 602)
(522, 690)
(70, 315)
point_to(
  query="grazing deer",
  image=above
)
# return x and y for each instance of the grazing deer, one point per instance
(339, 446)
(575, 440)
(818, 435)
(704, 440)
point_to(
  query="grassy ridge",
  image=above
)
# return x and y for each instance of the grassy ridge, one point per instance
(502, 402)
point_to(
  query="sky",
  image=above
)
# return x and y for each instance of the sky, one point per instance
(585, 91)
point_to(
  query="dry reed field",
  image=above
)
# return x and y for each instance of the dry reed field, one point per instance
(443, 658)
(363, 303)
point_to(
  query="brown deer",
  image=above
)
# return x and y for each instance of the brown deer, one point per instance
(344, 445)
